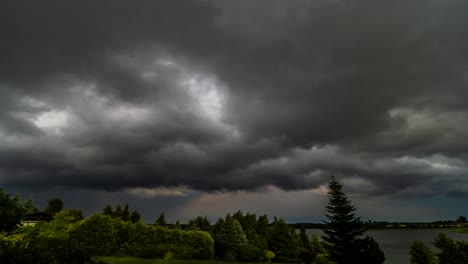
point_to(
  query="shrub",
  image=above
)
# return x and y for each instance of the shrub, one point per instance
(99, 234)
(34, 248)
(268, 255)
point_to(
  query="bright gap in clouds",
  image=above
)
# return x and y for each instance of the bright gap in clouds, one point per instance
(206, 93)
(52, 121)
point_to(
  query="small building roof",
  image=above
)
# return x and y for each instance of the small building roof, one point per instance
(38, 217)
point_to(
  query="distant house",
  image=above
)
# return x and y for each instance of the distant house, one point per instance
(32, 219)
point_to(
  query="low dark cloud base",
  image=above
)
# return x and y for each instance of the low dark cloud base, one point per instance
(226, 96)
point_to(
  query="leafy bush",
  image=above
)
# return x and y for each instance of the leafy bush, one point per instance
(33, 248)
(268, 255)
(99, 234)
(13, 249)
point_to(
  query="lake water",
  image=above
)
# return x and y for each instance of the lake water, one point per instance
(396, 243)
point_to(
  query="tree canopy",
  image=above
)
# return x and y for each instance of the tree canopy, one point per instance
(345, 231)
(12, 210)
(54, 206)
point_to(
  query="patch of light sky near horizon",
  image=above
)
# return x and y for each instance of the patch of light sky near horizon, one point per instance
(144, 192)
(270, 200)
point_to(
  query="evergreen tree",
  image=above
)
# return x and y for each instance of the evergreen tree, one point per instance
(283, 241)
(108, 210)
(200, 223)
(161, 221)
(306, 253)
(118, 211)
(370, 252)
(262, 226)
(228, 238)
(125, 213)
(344, 231)
(135, 217)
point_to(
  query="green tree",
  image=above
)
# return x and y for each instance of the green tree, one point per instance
(177, 224)
(71, 215)
(370, 251)
(125, 213)
(118, 212)
(306, 252)
(54, 206)
(12, 210)
(108, 210)
(200, 223)
(344, 231)
(450, 251)
(248, 223)
(283, 241)
(161, 220)
(318, 252)
(135, 217)
(228, 238)
(29, 206)
(262, 226)
(421, 254)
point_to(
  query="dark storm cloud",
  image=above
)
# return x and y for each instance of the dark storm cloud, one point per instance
(234, 95)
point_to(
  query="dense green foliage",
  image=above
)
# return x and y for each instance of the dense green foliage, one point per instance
(200, 223)
(123, 214)
(133, 260)
(449, 251)
(283, 241)
(71, 238)
(12, 210)
(229, 236)
(45, 243)
(421, 254)
(103, 235)
(344, 231)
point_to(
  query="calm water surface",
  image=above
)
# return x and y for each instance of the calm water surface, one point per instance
(396, 243)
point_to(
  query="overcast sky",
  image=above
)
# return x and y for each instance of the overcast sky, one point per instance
(207, 107)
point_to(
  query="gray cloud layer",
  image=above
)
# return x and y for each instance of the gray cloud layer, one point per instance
(235, 95)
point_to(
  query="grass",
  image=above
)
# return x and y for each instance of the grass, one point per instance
(131, 260)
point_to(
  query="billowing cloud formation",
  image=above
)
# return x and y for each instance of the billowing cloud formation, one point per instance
(162, 97)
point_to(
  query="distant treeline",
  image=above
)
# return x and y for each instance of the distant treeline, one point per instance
(393, 225)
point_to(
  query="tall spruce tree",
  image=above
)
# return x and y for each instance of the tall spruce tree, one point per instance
(345, 231)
